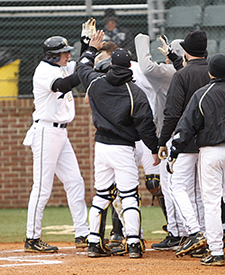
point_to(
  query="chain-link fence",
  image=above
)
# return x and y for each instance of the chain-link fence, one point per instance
(25, 25)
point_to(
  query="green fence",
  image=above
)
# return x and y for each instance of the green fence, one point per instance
(26, 24)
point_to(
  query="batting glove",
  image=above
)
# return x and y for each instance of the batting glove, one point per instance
(165, 49)
(88, 30)
(169, 165)
(163, 152)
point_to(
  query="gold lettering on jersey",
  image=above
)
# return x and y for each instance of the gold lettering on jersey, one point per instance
(69, 96)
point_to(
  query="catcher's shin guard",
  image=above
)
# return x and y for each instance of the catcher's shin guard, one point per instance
(153, 185)
(133, 193)
(107, 194)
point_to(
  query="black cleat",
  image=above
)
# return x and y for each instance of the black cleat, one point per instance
(201, 252)
(135, 250)
(169, 243)
(191, 243)
(121, 249)
(213, 260)
(96, 250)
(81, 242)
(115, 240)
(37, 245)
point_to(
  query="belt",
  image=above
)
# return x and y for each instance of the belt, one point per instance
(53, 124)
(63, 125)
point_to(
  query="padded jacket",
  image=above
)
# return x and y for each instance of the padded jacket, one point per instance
(203, 118)
(120, 109)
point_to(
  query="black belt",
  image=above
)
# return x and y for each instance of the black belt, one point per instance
(55, 124)
(63, 125)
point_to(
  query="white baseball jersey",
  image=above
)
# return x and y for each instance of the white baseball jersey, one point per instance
(48, 106)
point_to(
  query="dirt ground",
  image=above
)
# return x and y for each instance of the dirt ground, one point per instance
(71, 261)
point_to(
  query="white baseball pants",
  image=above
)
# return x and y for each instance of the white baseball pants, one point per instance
(115, 164)
(53, 154)
(212, 182)
(174, 222)
(186, 193)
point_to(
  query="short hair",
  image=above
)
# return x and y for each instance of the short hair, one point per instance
(109, 47)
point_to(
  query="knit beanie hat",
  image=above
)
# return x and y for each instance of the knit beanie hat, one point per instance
(121, 57)
(195, 43)
(217, 65)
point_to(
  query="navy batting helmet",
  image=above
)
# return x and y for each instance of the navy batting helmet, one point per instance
(55, 45)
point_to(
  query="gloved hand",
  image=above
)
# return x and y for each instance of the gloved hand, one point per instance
(163, 152)
(88, 30)
(169, 165)
(165, 49)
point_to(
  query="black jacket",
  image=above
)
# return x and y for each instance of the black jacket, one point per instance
(117, 122)
(203, 117)
(183, 85)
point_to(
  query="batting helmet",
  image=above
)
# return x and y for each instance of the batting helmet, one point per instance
(55, 45)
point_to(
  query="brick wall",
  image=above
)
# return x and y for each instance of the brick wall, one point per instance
(16, 159)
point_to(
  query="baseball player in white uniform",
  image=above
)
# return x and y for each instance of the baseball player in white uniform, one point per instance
(53, 154)
(204, 118)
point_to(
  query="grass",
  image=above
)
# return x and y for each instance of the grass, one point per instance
(13, 224)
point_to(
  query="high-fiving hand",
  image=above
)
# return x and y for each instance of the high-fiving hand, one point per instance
(88, 30)
(96, 40)
(165, 49)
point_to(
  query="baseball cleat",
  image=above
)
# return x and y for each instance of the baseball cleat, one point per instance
(96, 250)
(115, 240)
(37, 245)
(121, 249)
(192, 242)
(135, 250)
(213, 260)
(81, 242)
(169, 243)
(201, 252)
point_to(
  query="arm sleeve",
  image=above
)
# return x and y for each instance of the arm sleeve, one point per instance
(65, 85)
(154, 72)
(85, 69)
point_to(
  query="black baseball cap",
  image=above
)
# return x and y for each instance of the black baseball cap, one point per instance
(121, 57)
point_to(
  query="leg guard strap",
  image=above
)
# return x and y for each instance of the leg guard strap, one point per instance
(131, 193)
(108, 194)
